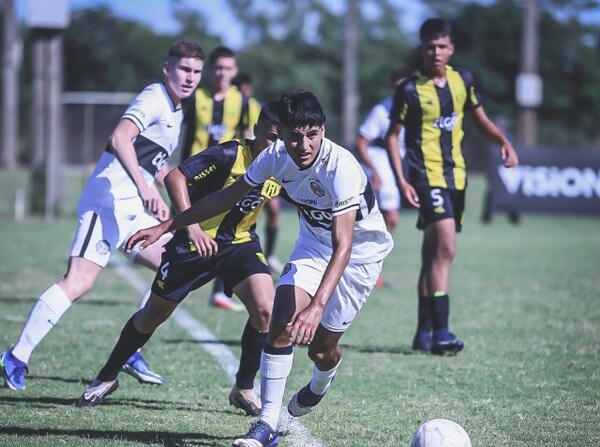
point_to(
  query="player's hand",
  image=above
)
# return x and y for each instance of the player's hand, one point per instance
(152, 200)
(207, 247)
(147, 236)
(410, 194)
(162, 210)
(509, 155)
(304, 326)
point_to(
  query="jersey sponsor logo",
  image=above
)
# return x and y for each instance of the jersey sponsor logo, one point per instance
(102, 247)
(446, 123)
(249, 203)
(306, 201)
(316, 188)
(343, 203)
(317, 218)
(284, 180)
(205, 173)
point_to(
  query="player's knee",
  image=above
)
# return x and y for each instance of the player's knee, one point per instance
(325, 358)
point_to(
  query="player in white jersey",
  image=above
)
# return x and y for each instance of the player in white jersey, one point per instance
(333, 268)
(113, 205)
(370, 146)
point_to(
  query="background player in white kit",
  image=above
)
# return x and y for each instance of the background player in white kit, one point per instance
(113, 205)
(370, 148)
(333, 268)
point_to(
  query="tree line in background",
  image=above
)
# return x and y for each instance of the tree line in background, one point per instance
(300, 45)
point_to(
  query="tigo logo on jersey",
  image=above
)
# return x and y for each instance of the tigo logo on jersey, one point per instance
(446, 123)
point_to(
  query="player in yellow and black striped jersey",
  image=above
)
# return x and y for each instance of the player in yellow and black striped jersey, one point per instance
(226, 245)
(430, 107)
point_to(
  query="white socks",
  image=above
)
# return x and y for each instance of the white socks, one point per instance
(321, 380)
(44, 315)
(274, 371)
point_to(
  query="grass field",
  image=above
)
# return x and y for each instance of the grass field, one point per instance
(523, 297)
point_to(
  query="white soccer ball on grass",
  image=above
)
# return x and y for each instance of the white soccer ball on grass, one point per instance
(440, 433)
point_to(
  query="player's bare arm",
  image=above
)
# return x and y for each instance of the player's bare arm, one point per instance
(306, 322)
(392, 146)
(209, 206)
(176, 185)
(362, 144)
(121, 142)
(507, 151)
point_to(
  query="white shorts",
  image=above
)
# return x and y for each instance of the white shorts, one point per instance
(351, 293)
(388, 196)
(101, 231)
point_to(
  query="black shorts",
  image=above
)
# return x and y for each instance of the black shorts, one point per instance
(179, 274)
(438, 204)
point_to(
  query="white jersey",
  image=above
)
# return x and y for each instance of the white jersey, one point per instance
(333, 185)
(376, 125)
(159, 121)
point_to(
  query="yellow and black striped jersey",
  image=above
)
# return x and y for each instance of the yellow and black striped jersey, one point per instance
(210, 122)
(433, 120)
(216, 168)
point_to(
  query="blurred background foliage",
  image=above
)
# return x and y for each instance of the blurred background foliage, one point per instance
(300, 44)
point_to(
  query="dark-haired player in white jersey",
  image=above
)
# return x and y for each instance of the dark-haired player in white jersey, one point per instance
(335, 263)
(119, 199)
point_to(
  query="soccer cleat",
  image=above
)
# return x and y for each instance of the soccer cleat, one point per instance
(13, 370)
(245, 400)
(422, 341)
(446, 344)
(275, 265)
(97, 392)
(222, 301)
(137, 367)
(303, 402)
(259, 435)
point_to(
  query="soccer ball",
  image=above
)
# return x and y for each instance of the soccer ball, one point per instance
(440, 433)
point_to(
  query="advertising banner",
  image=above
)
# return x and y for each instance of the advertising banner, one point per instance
(546, 181)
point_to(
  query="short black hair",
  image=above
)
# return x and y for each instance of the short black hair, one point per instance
(300, 108)
(242, 78)
(398, 75)
(434, 28)
(269, 114)
(220, 52)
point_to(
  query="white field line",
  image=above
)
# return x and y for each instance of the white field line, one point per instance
(297, 434)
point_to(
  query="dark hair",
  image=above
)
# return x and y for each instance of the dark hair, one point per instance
(220, 52)
(184, 48)
(399, 74)
(435, 28)
(300, 108)
(269, 114)
(241, 78)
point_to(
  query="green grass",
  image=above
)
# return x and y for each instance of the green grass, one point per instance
(523, 297)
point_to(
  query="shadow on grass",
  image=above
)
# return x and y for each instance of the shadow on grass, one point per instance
(403, 350)
(113, 401)
(146, 437)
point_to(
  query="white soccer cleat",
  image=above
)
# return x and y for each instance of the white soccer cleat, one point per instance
(97, 392)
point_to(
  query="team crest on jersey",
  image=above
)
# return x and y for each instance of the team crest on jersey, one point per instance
(102, 247)
(316, 188)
